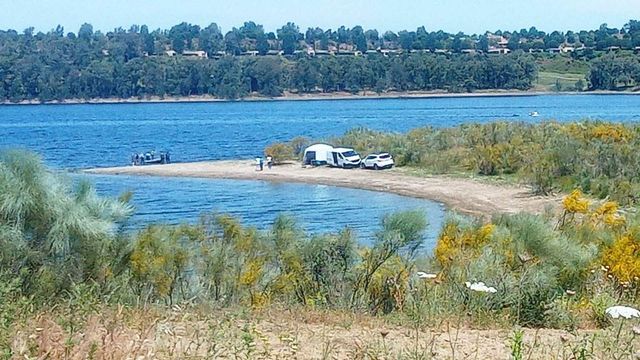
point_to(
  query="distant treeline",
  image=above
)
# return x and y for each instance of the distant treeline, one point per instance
(138, 63)
(233, 78)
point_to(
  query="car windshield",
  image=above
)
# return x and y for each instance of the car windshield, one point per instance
(385, 156)
(349, 153)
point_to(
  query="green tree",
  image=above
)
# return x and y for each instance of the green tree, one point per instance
(289, 35)
(50, 234)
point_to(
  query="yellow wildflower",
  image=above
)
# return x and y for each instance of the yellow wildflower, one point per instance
(575, 203)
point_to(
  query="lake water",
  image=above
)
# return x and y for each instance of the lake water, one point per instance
(318, 208)
(82, 136)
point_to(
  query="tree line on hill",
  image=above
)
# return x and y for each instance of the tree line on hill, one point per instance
(134, 63)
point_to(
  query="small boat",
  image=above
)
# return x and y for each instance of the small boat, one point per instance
(150, 158)
(534, 114)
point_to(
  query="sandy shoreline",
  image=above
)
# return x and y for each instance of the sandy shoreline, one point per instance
(313, 97)
(463, 195)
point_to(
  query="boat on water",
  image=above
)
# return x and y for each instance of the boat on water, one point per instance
(150, 158)
(534, 114)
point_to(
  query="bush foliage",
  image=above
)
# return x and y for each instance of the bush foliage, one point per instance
(62, 242)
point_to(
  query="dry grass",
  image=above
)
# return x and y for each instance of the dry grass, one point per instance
(123, 333)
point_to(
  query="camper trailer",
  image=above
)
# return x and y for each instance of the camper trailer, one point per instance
(317, 154)
(344, 158)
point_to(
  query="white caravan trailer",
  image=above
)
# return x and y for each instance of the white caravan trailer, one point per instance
(317, 154)
(344, 158)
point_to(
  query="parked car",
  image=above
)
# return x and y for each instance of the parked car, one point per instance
(377, 161)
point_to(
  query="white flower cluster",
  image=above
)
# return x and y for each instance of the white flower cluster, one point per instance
(622, 311)
(481, 287)
(426, 276)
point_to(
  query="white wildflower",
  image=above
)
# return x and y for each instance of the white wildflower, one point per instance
(481, 287)
(426, 276)
(624, 311)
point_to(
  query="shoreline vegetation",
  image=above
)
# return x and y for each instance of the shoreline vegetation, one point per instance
(368, 95)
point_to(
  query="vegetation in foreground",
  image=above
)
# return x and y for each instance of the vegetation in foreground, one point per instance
(69, 274)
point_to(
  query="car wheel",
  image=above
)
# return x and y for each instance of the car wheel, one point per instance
(375, 167)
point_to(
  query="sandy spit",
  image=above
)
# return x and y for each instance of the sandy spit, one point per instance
(463, 195)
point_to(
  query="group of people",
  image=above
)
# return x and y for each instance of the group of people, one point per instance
(150, 157)
(260, 163)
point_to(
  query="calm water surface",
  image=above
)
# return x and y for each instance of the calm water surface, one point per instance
(318, 208)
(82, 136)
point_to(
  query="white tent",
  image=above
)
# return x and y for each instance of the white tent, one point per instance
(316, 154)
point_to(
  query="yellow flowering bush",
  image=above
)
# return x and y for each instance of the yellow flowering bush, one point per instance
(157, 260)
(388, 286)
(575, 203)
(453, 239)
(608, 214)
(600, 131)
(623, 258)
(252, 273)
(610, 132)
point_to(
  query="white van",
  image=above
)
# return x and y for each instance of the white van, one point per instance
(343, 157)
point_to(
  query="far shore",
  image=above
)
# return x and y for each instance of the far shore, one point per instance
(314, 97)
(463, 195)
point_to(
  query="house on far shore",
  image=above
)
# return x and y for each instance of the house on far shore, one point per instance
(218, 54)
(387, 52)
(309, 51)
(556, 50)
(170, 53)
(613, 48)
(349, 53)
(567, 49)
(195, 54)
(500, 51)
(250, 53)
(531, 51)
(636, 50)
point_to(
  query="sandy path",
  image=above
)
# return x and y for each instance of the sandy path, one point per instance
(464, 195)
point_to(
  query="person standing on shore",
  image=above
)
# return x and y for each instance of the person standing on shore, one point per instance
(269, 161)
(258, 163)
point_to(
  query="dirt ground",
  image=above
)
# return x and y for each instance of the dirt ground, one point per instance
(464, 195)
(291, 334)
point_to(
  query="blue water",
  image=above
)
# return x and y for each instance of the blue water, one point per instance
(76, 136)
(82, 136)
(318, 208)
